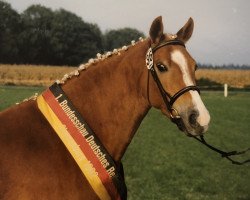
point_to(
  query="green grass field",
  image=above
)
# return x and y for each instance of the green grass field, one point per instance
(162, 163)
(10, 95)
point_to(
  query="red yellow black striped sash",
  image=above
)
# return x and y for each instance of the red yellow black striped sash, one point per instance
(93, 159)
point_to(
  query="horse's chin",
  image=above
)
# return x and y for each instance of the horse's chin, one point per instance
(185, 127)
(181, 126)
(191, 131)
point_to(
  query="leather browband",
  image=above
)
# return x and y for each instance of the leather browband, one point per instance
(171, 42)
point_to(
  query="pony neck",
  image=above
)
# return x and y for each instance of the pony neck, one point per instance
(111, 96)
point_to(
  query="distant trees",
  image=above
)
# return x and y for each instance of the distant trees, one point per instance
(35, 37)
(40, 35)
(120, 37)
(73, 40)
(10, 26)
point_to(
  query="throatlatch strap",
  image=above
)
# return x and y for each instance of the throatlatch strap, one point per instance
(91, 156)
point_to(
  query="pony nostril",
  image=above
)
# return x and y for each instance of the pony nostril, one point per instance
(193, 118)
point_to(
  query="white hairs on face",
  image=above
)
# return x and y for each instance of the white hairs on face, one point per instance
(179, 59)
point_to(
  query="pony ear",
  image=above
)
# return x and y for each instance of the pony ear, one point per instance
(185, 33)
(156, 30)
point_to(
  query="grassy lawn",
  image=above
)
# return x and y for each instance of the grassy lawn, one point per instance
(162, 163)
(9, 95)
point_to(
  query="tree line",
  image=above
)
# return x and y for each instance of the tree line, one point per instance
(40, 35)
(228, 66)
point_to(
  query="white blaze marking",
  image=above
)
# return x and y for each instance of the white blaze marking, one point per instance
(178, 58)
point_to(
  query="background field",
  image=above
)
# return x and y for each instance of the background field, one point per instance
(162, 163)
(31, 75)
(38, 75)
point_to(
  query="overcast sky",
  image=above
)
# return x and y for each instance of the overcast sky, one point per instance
(222, 27)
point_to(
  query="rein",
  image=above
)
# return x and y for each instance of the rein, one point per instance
(223, 153)
(169, 101)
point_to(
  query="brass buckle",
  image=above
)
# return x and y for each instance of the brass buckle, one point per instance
(174, 114)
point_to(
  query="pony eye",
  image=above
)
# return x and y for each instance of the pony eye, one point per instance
(161, 67)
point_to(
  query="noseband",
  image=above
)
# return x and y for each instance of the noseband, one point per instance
(169, 101)
(167, 98)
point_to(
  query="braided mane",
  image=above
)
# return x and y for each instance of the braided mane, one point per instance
(99, 57)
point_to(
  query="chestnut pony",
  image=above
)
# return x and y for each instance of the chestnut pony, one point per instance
(113, 94)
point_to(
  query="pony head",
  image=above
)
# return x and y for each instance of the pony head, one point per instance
(173, 87)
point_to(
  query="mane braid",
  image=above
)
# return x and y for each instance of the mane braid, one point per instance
(33, 97)
(99, 57)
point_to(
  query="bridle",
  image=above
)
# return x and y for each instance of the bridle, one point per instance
(169, 100)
